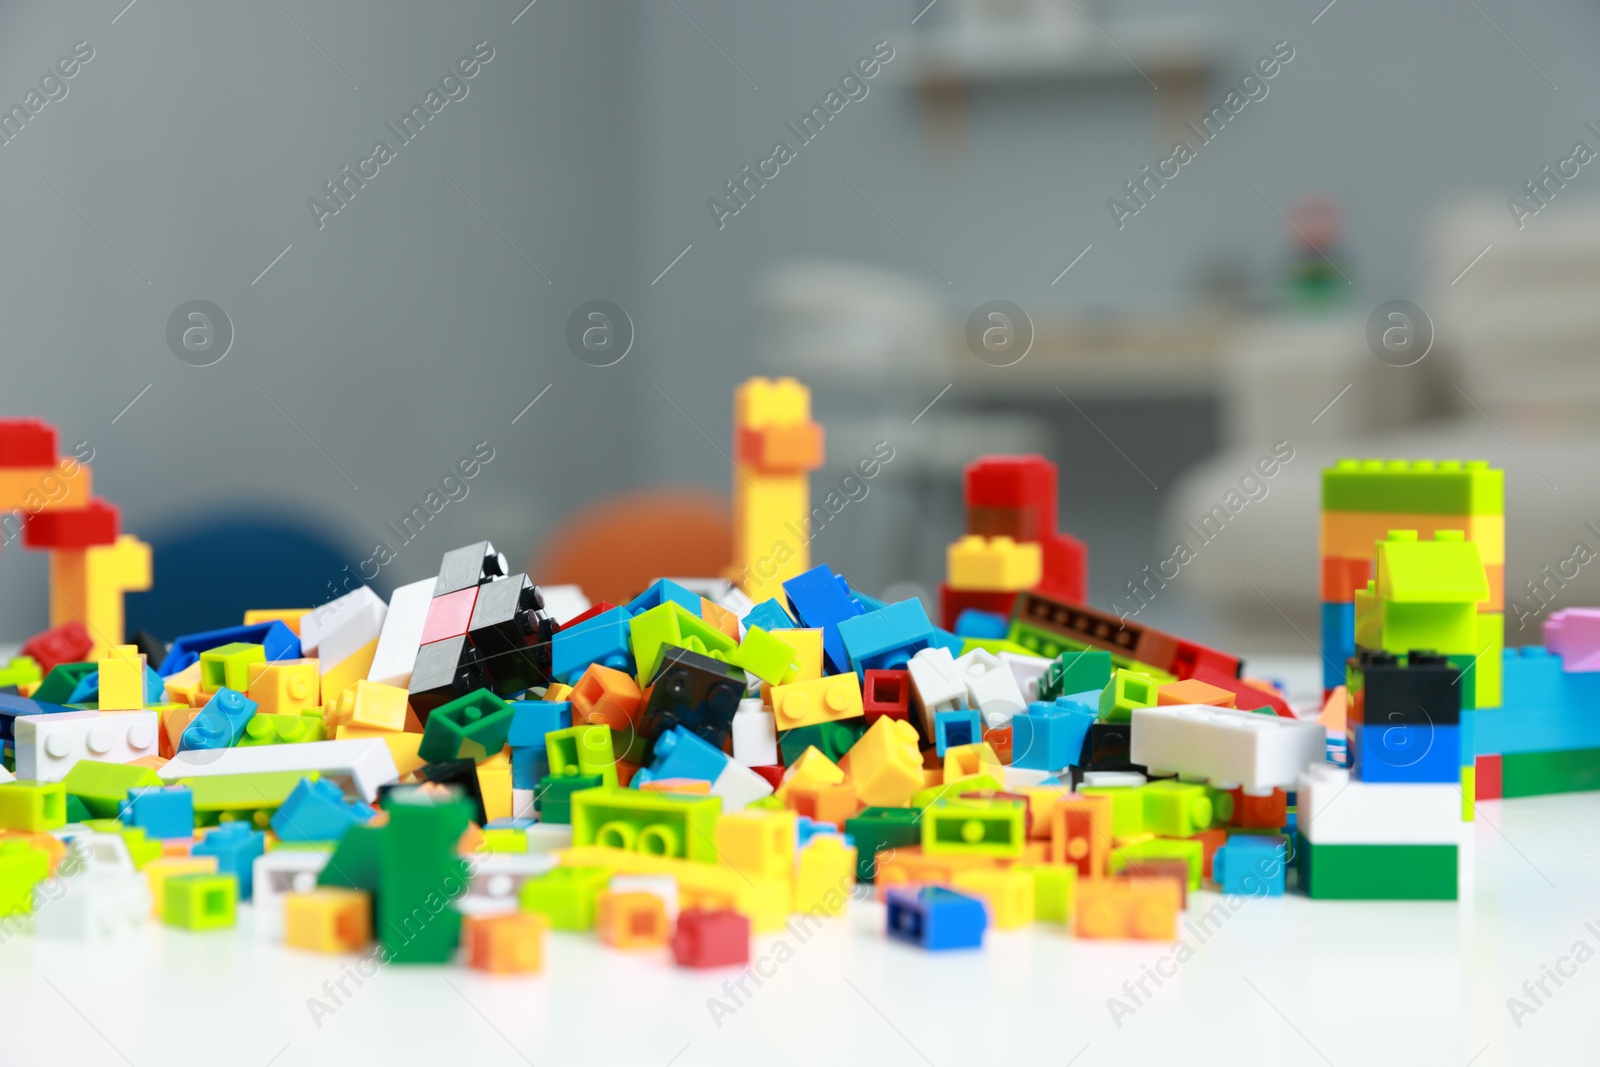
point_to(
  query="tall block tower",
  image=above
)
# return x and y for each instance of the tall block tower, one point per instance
(776, 446)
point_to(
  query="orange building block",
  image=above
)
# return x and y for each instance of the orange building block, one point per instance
(1136, 908)
(633, 920)
(1080, 833)
(290, 617)
(606, 697)
(328, 920)
(88, 584)
(1193, 691)
(721, 618)
(512, 943)
(825, 803)
(691, 786)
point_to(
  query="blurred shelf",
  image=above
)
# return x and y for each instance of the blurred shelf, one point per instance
(1070, 51)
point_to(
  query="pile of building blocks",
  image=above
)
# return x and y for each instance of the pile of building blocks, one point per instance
(453, 773)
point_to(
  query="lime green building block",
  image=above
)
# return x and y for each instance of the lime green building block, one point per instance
(583, 751)
(765, 656)
(1378, 872)
(282, 730)
(672, 624)
(228, 666)
(474, 727)
(1178, 809)
(420, 876)
(1040, 642)
(1422, 487)
(995, 645)
(568, 896)
(200, 902)
(505, 839)
(1126, 691)
(658, 824)
(33, 806)
(21, 671)
(1127, 807)
(1189, 850)
(1055, 891)
(219, 797)
(103, 787)
(141, 849)
(974, 829)
(21, 868)
(1487, 689)
(972, 783)
(1531, 774)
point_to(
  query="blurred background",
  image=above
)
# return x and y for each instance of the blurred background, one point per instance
(1168, 321)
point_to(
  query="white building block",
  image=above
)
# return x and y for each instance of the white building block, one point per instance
(1226, 747)
(6, 776)
(1017, 777)
(561, 602)
(549, 836)
(1027, 670)
(1336, 809)
(660, 885)
(755, 734)
(402, 633)
(738, 786)
(274, 876)
(95, 892)
(522, 804)
(336, 631)
(991, 688)
(935, 685)
(48, 745)
(359, 764)
(495, 880)
(1111, 778)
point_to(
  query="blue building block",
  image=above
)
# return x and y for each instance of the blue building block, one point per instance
(953, 728)
(1416, 753)
(277, 639)
(821, 601)
(946, 640)
(661, 591)
(985, 624)
(510, 824)
(769, 615)
(162, 812)
(315, 810)
(680, 753)
(1048, 737)
(1251, 865)
(220, 723)
(236, 847)
(863, 601)
(885, 640)
(1338, 641)
(936, 918)
(12, 706)
(531, 720)
(1531, 677)
(603, 639)
(806, 828)
(87, 690)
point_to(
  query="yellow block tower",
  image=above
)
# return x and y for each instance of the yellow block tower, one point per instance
(775, 446)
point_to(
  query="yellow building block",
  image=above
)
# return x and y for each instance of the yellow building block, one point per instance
(341, 676)
(965, 761)
(764, 901)
(1008, 894)
(885, 765)
(158, 871)
(328, 919)
(494, 782)
(122, 679)
(290, 617)
(378, 707)
(807, 645)
(287, 687)
(68, 485)
(828, 699)
(771, 498)
(993, 564)
(558, 692)
(812, 770)
(760, 844)
(185, 685)
(88, 584)
(824, 876)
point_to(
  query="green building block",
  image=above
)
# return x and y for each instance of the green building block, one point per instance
(228, 666)
(21, 671)
(253, 797)
(973, 783)
(832, 739)
(471, 727)
(974, 829)
(103, 787)
(140, 848)
(658, 824)
(282, 730)
(1378, 872)
(1418, 487)
(1055, 890)
(1126, 691)
(354, 862)
(1127, 807)
(420, 876)
(882, 829)
(1190, 851)
(567, 896)
(1076, 672)
(555, 795)
(21, 868)
(77, 811)
(672, 624)
(1532, 774)
(200, 902)
(1041, 642)
(33, 806)
(586, 750)
(62, 679)
(1178, 809)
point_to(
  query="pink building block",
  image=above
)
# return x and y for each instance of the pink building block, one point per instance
(1574, 633)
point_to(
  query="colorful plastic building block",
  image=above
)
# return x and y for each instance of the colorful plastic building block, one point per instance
(33, 807)
(317, 811)
(511, 943)
(160, 811)
(236, 847)
(1128, 908)
(632, 920)
(199, 902)
(1251, 866)
(707, 938)
(221, 722)
(936, 918)
(328, 919)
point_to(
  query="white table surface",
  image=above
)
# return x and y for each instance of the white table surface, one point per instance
(1284, 981)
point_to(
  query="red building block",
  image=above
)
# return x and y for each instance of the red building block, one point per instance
(773, 774)
(1027, 483)
(711, 939)
(886, 693)
(67, 643)
(1486, 780)
(97, 524)
(1259, 813)
(27, 443)
(449, 615)
(952, 602)
(1066, 566)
